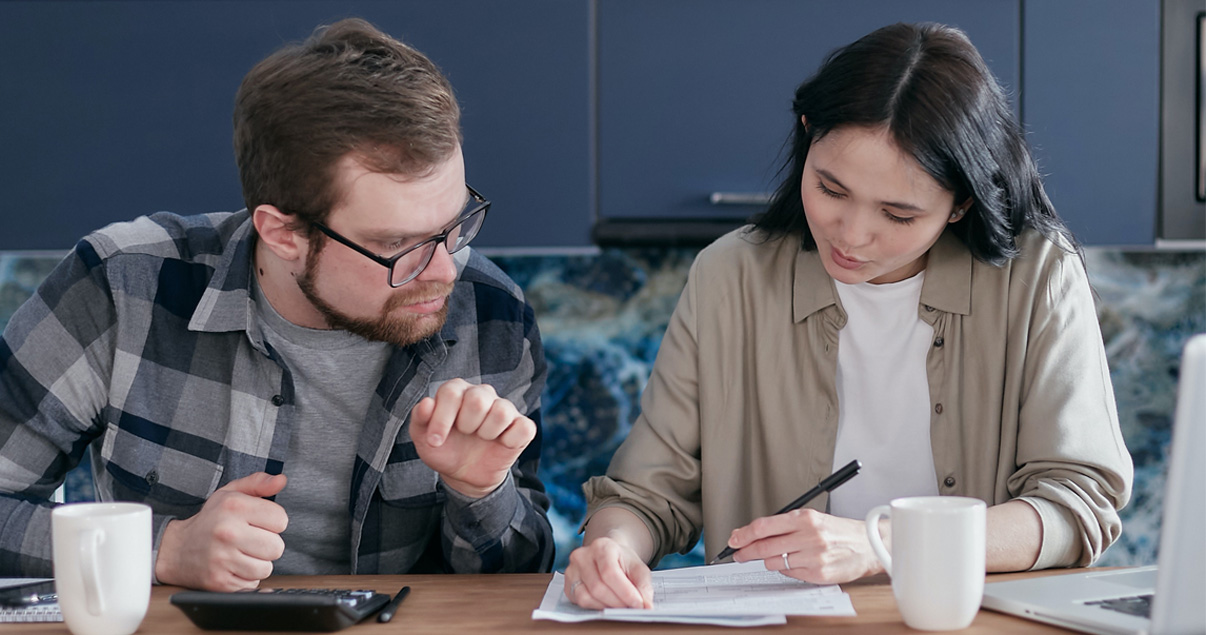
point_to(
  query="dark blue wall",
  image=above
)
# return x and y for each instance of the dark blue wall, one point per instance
(575, 111)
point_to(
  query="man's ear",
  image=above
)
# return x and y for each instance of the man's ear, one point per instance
(273, 227)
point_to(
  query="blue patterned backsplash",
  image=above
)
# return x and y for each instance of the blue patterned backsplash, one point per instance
(602, 315)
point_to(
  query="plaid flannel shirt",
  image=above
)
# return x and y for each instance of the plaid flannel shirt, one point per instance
(144, 346)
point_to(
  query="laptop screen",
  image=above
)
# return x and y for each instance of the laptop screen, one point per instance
(1181, 583)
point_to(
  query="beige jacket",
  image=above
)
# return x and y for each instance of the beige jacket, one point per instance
(740, 413)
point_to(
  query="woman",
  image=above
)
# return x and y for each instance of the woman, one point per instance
(909, 299)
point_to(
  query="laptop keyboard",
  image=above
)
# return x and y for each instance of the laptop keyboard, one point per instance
(1140, 605)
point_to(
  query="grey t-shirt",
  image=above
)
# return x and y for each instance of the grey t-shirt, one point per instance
(334, 376)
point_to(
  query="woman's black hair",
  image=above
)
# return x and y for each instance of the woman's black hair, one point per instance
(943, 107)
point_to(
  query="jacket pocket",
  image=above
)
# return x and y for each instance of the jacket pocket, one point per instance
(410, 483)
(171, 481)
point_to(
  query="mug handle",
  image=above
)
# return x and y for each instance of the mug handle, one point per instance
(877, 543)
(90, 542)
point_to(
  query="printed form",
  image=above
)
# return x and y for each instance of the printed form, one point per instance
(737, 594)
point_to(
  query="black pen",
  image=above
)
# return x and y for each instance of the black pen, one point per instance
(829, 484)
(387, 613)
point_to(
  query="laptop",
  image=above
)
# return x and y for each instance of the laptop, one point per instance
(1168, 598)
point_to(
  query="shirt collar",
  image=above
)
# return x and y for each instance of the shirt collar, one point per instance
(947, 280)
(813, 288)
(948, 276)
(226, 304)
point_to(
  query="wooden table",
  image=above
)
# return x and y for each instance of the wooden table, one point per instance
(453, 604)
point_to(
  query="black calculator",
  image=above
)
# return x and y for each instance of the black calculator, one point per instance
(279, 609)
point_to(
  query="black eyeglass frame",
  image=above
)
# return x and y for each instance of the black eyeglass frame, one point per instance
(482, 207)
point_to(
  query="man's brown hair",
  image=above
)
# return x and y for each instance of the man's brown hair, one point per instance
(349, 88)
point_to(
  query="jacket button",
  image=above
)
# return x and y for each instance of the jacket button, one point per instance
(938, 408)
(278, 400)
(929, 308)
(949, 481)
(152, 477)
(939, 342)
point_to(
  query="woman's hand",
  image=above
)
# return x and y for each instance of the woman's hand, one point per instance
(609, 570)
(608, 574)
(808, 545)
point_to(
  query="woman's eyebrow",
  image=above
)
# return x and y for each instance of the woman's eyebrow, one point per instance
(898, 205)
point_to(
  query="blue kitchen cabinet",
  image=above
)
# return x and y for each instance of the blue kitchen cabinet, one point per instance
(117, 109)
(654, 121)
(1090, 100)
(694, 101)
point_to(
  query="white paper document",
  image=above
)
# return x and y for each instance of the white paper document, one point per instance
(737, 594)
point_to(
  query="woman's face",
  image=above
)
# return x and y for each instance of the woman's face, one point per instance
(871, 208)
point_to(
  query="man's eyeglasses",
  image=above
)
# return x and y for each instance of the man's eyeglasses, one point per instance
(407, 264)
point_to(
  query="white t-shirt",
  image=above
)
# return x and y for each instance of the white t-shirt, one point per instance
(883, 396)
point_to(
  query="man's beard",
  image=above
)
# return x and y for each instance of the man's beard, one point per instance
(398, 329)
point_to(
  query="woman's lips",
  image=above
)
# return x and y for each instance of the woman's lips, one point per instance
(844, 261)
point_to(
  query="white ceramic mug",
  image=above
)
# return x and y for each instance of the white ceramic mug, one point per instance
(102, 566)
(937, 561)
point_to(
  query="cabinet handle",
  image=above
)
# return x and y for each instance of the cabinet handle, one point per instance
(739, 198)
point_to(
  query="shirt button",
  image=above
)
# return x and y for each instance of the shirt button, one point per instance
(152, 477)
(939, 342)
(938, 408)
(949, 481)
(278, 400)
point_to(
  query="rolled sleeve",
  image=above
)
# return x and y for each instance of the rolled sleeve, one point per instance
(1074, 468)
(1061, 544)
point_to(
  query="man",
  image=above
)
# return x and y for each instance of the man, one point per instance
(325, 382)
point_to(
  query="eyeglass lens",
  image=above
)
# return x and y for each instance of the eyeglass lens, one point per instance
(411, 264)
